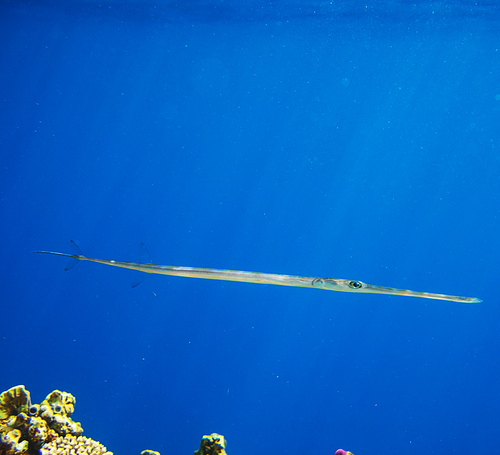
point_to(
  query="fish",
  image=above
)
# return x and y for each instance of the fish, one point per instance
(328, 284)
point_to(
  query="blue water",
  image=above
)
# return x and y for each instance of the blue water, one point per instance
(348, 140)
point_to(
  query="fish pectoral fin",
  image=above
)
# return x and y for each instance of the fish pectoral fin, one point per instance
(145, 258)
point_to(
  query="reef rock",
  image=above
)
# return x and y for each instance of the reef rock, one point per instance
(25, 427)
(38, 430)
(10, 445)
(150, 452)
(47, 429)
(56, 410)
(215, 444)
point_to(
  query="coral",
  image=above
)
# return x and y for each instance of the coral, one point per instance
(56, 410)
(10, 445)
(215, 444)
(47, 429)
(62, 402)
(342, 452)
(14, 401)
(34, 424)
(14, 404)
(38, 431)
(15, 421)
(72, 445)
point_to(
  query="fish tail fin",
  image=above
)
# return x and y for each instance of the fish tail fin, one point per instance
(75, 256)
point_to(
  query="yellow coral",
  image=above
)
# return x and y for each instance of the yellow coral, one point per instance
(215, 444)
(10, 445)
(38, 430)
(34, 423)
(14, 401)
(61, 402)
(71, 445)
(15, 421)
(56, 409)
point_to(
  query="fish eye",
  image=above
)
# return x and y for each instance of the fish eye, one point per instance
(318, 282)
(355, 284)
(33, 410)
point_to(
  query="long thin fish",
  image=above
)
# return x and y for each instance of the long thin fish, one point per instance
(329, 284)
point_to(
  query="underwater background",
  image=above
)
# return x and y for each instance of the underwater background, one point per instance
(331, 139)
